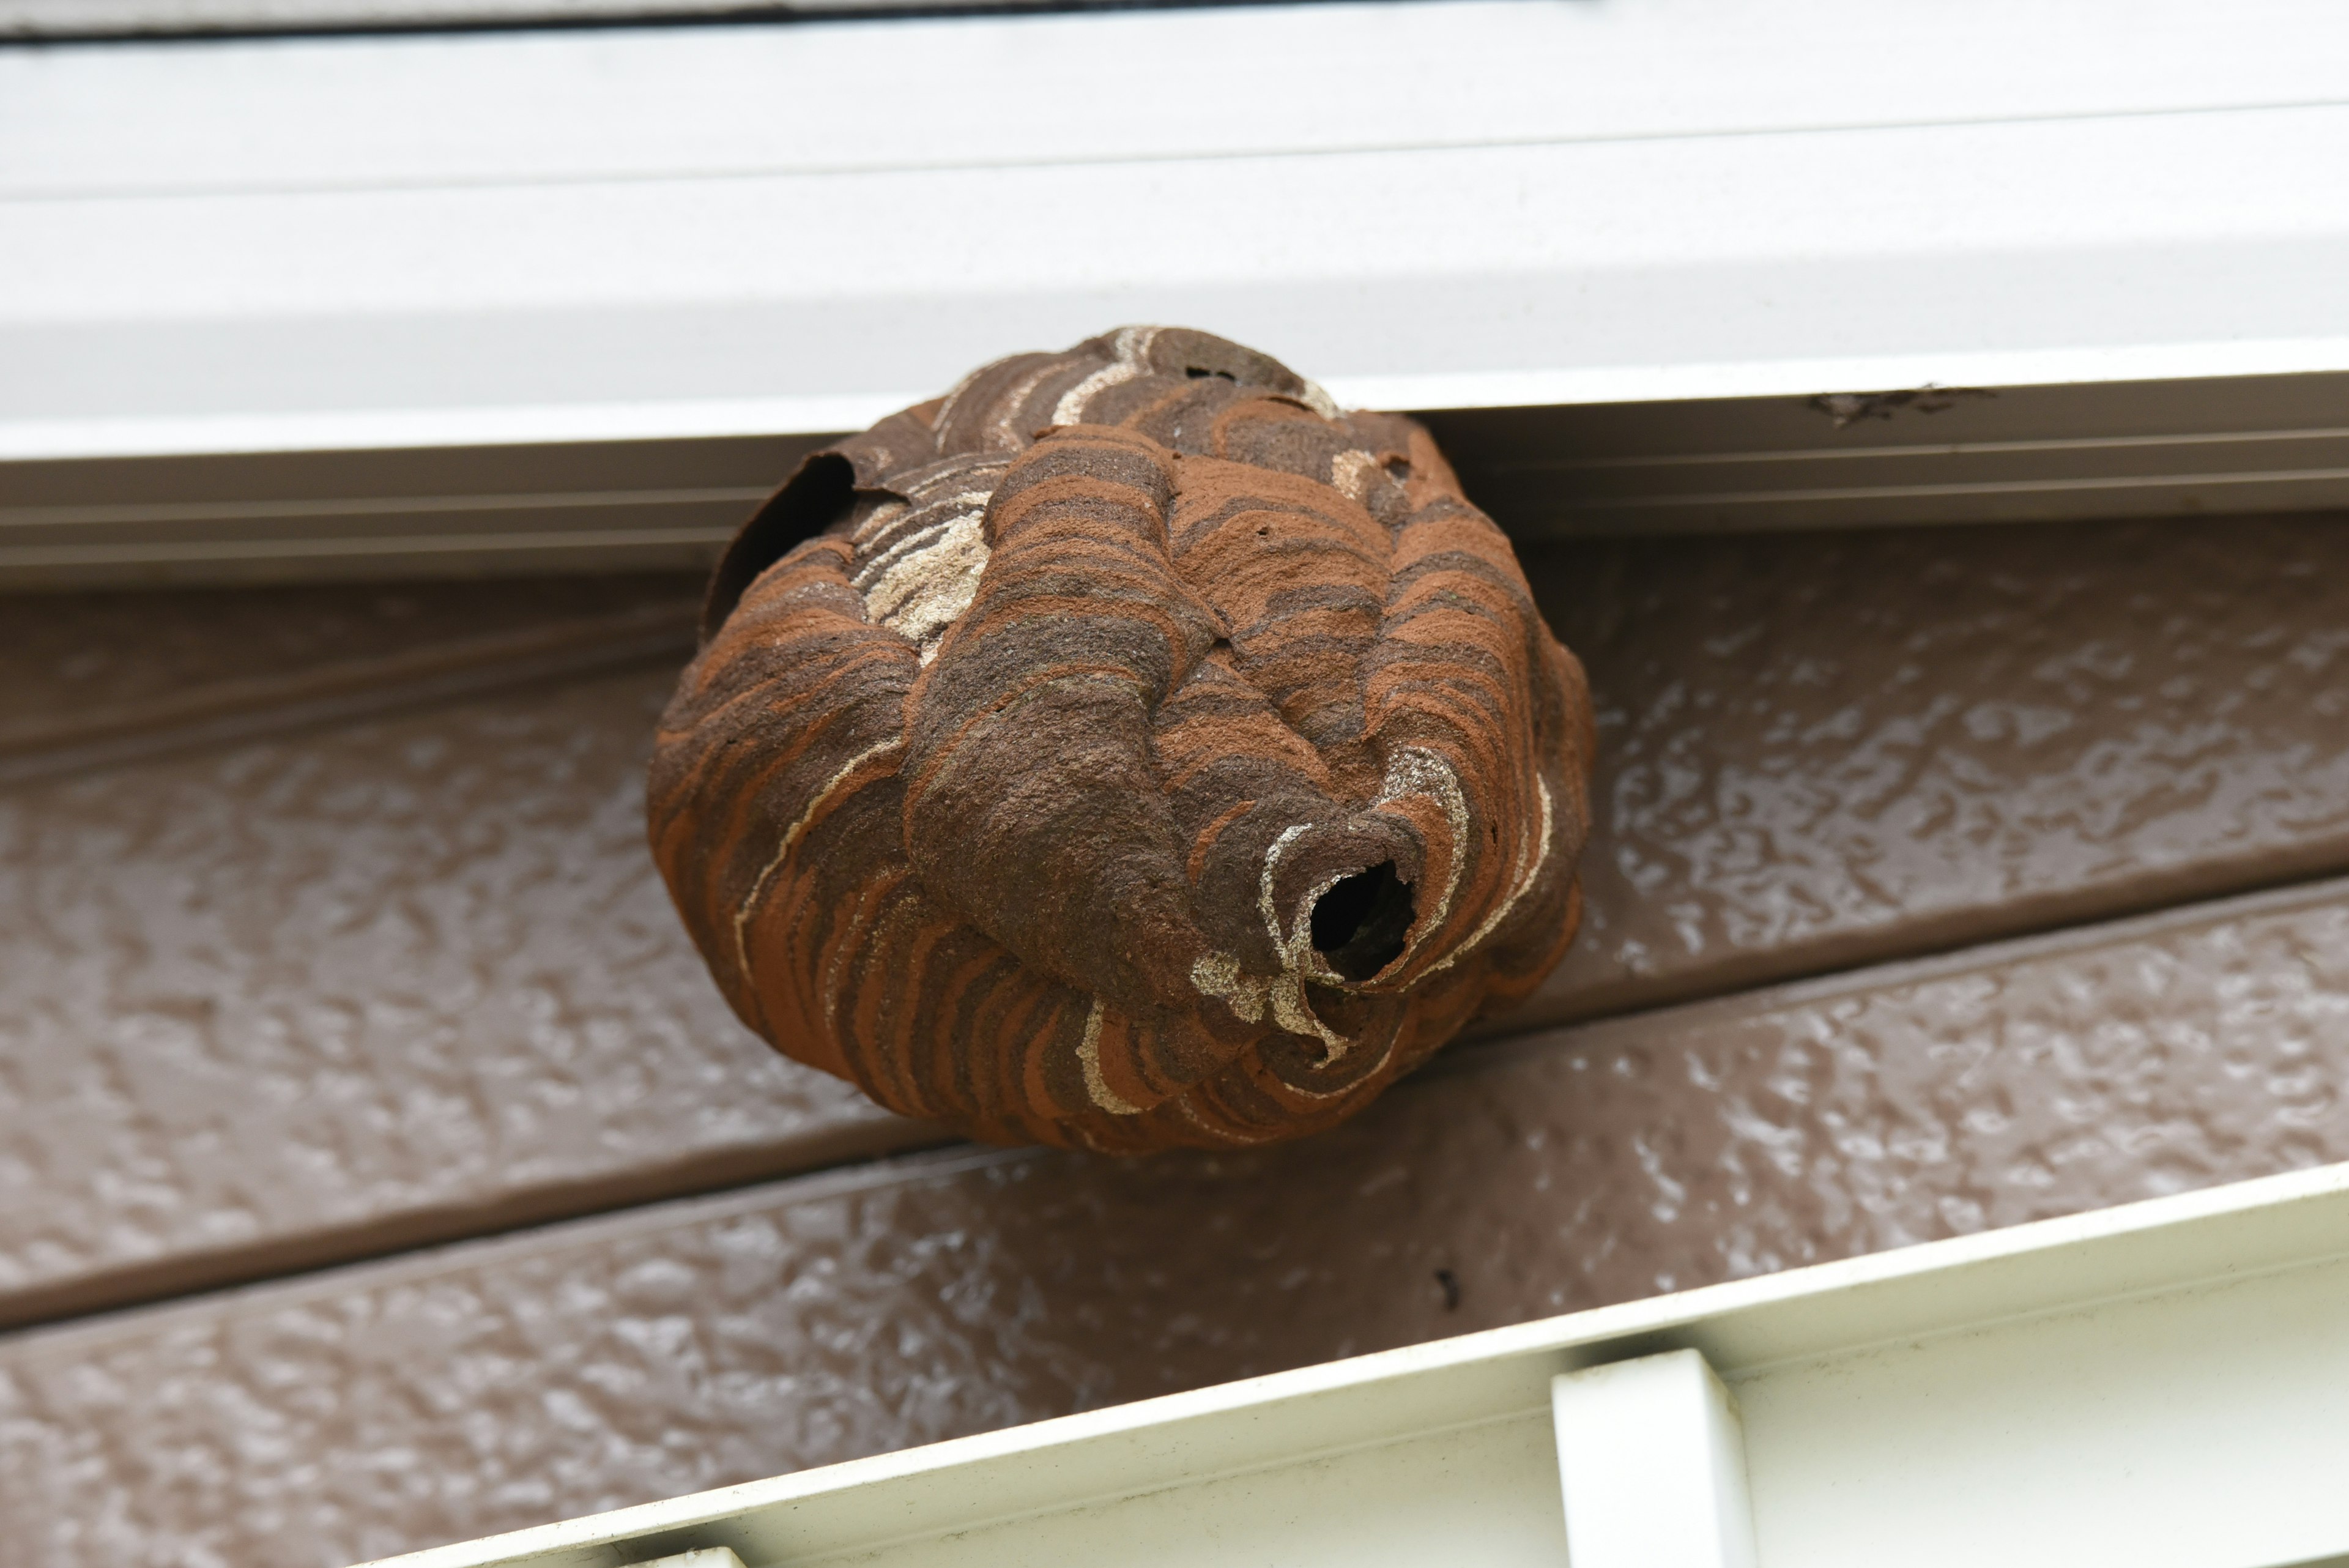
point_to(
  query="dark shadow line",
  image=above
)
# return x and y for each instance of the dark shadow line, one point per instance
(695, 15)
(1920, 941)
(238, 712)
(192, 1276)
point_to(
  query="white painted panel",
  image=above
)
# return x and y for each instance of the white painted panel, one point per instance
(1542, 274)
(258, 250)
(2204, 1430)
(2130, 213)
(1486, 1494)
(1652, 1462)
(1237, 81)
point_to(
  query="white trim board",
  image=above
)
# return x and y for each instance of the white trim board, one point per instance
(1699, 211)
(2159, 1385)
(1343, 76)
(395, 510)
(2194, 446)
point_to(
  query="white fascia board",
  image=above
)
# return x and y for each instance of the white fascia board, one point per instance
(1133, 87)
(1652, 1465)
(241, 250)
(2159, 1383)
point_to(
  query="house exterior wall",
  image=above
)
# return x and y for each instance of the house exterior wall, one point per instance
(383, 1169)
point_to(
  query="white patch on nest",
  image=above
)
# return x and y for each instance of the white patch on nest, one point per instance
(1528, 869)
(1131, 345)
(1322, 402)
(923, 586)
(1353, 472)
(1089, 1058)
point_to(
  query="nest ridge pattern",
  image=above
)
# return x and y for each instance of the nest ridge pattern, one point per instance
(1126, 750)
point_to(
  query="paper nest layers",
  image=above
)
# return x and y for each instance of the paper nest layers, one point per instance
(1127, 750)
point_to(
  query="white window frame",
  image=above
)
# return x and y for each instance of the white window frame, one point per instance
(1633, 253)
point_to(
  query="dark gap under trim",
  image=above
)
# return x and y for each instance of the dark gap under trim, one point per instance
(523, 18)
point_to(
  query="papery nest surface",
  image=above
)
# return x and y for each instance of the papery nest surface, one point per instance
(1128, 749)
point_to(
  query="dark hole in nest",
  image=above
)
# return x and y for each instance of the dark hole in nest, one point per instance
(1200, 373)
(1361, 921)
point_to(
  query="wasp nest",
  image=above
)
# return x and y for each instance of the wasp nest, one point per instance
(1127, 750)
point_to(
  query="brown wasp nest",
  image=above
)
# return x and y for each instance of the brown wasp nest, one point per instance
(1126, 750)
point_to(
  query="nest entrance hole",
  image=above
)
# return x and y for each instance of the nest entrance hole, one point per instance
(1359, 923)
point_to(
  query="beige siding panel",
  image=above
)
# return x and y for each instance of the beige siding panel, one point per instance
(67, 657)
(404, 979)
(1829, 749)
(351, 990)
(679, 1346)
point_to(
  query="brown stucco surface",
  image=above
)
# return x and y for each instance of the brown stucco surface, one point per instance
(393, 980)
(386, 981)
(1818, 750)
(64, 656)
(685, 1345)
(388, 966)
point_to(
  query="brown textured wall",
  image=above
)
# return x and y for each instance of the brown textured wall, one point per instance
(1818, 750)
(382, 962)
(681, 1346)
(432, 940)
(63, 656)
(93, 681)
(358, 986)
